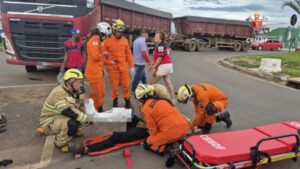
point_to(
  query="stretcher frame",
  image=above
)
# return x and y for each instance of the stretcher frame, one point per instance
(258, 158)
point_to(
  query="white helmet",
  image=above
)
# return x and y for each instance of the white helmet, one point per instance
(104, 28)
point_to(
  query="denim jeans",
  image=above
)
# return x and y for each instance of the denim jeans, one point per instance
(140, 74)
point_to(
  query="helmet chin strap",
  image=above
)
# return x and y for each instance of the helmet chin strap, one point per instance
(73, 89)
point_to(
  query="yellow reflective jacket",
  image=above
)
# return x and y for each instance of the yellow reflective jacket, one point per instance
(58, 100)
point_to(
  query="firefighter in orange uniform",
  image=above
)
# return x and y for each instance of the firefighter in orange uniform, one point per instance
(208, 101)
(165, 123)
(120, 59)
(95, 64)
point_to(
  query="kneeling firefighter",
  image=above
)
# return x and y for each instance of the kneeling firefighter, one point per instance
(165, 123)
(208, 102)
(62, 114)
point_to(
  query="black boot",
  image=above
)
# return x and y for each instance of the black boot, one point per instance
(225, 117)
(3, 121)
(133, 87)
(115, 102)
(100, 110)
(206, 129)
(127, 103)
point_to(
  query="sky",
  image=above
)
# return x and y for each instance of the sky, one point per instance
(227, 9)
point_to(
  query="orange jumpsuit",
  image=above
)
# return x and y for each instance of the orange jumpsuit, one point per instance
(94, 70)
(121, 57)
(206, 93)
(165, 123)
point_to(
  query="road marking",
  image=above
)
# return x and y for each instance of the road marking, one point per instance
(253, 77)
(33, 85)
(46, 157)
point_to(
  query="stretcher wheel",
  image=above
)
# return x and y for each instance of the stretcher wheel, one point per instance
(170, 162)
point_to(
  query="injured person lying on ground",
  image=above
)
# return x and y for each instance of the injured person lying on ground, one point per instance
(155, 134)
(136, 130)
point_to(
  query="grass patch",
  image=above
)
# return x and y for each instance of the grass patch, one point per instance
(290, 62)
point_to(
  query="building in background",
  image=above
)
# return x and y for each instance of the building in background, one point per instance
(286, 35)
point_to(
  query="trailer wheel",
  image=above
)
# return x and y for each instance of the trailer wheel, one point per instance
(237, 46)
(200, 45)
(31, 69)
(192, 46)
(245, 46)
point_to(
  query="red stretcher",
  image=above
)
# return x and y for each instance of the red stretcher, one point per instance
(240, 149)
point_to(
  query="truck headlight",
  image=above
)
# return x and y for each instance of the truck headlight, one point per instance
(7, 45)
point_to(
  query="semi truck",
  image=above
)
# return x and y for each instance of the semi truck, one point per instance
(195, 33)
(35, 30)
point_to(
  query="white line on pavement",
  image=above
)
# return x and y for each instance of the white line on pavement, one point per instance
(46, 157)
(33, 85)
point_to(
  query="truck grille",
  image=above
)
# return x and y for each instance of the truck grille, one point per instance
(40, 40)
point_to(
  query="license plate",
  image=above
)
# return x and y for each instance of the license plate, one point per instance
(42, 64)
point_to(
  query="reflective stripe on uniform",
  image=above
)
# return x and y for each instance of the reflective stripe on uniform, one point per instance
(53, 109)
(60, 103)
(49, 120)
(81, 117)
(50, 108)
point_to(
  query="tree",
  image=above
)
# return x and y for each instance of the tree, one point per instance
(294, 4)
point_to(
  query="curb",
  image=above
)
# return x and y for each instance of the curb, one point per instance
(262, 75)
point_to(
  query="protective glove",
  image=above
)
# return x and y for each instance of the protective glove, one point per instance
(211, 109)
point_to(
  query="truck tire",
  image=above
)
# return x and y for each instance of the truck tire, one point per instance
(200, 45)
(31, 69)
(245, 46)
(192, 46)
(237, 46)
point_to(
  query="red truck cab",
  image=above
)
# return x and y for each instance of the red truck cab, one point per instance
(35, 31)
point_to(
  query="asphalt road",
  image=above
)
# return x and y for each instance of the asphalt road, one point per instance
(253, 102)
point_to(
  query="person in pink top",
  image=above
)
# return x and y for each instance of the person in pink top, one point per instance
(162, 66)
(74, 53)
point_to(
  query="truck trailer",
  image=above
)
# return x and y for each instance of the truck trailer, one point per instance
(195, 33)
(35, 30)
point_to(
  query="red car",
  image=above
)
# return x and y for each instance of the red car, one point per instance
(269, 45)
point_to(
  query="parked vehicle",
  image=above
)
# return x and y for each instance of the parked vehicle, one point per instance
(268, 45)
(35, 30)
(194, 33)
